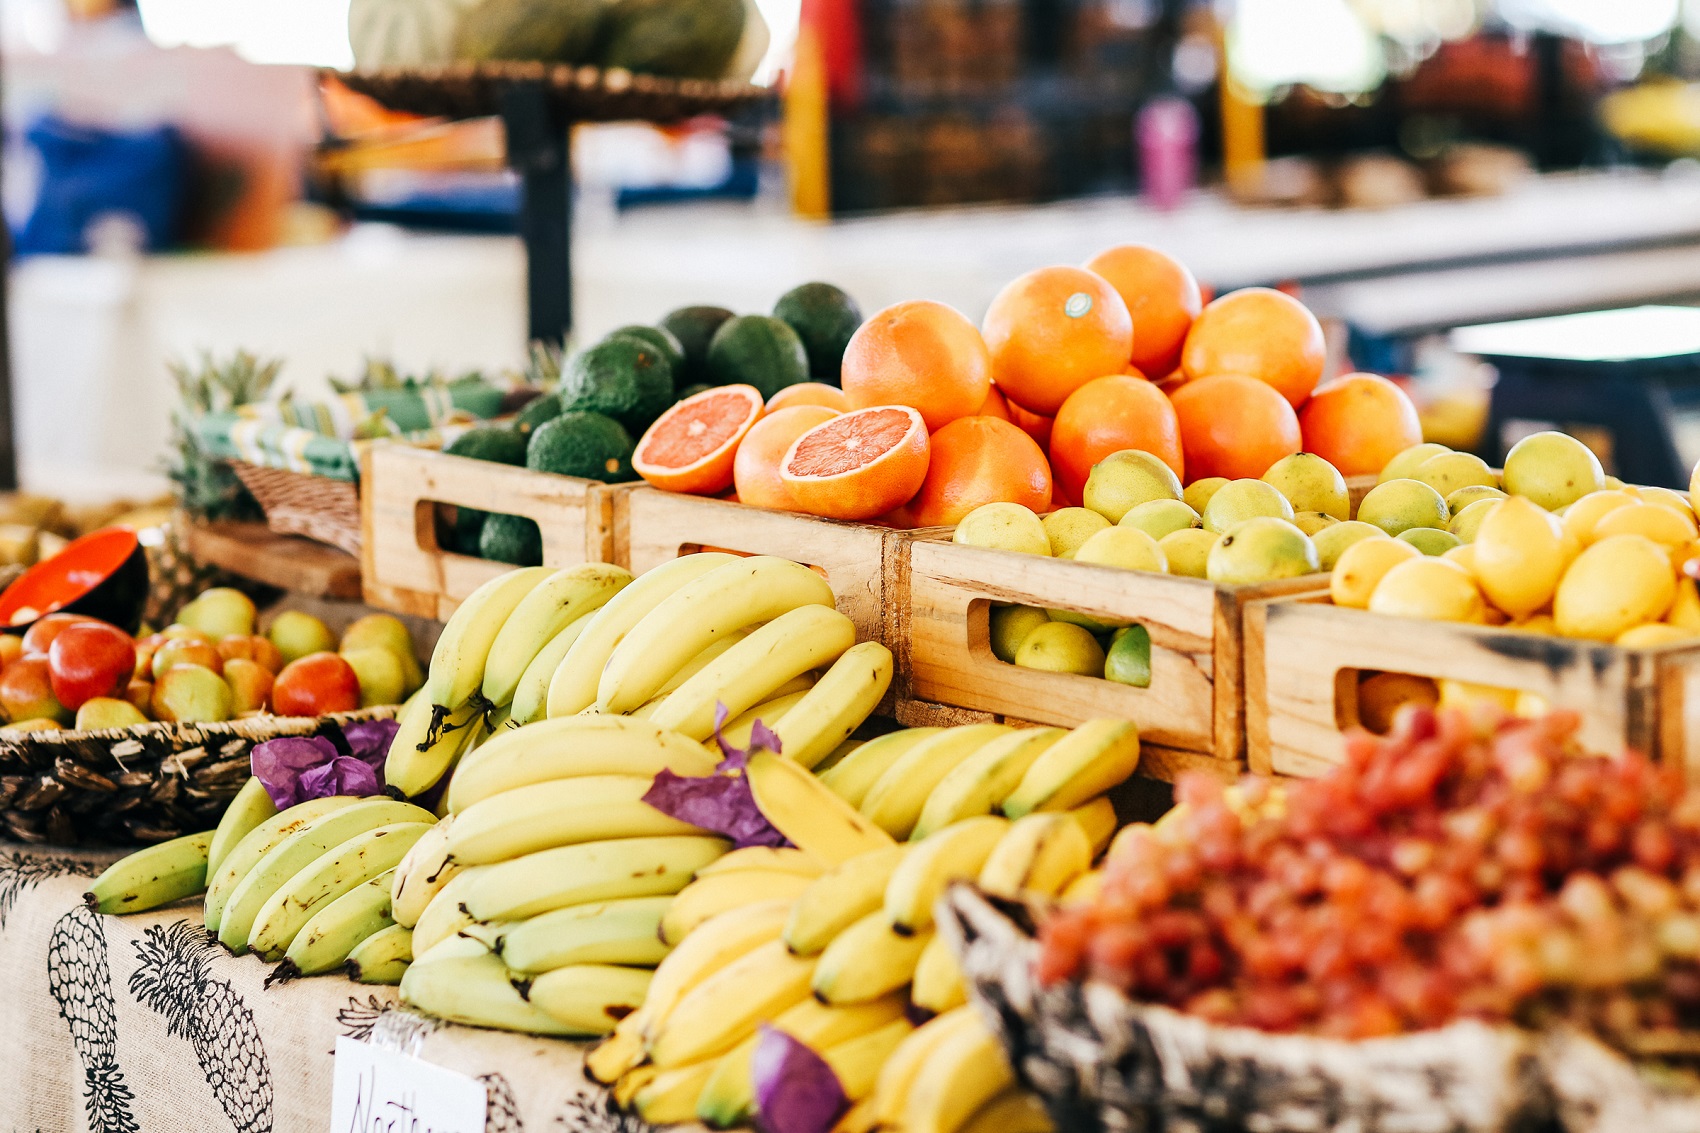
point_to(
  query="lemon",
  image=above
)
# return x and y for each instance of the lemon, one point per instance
(1408, 461)
(1653, 633)
(1536, 623)
(1619, 582)
(1159, 517)
(1311, 522)
(1360, 567)
(1450, 471)
(1663, 525)
(1058, 647)
(1331, 541)
(1553, 469)
(1463, 694)
(1310, 483)
(1665, 497)
(1430, 540)
(1466, 496)
(1581, 517)
(1521, 553)
(1612, 483)
(1240, 500)
(1125, 547)
(1010, 626)
(1382, 695)
(1466, 523)
(1187, 551)
(1464, 554)
(1067, 528)
(1124, 480)
(1399, 505)
(1198, 493)
(1261, 550)
(1004, 527)
(1429, 588)
(1684, 612)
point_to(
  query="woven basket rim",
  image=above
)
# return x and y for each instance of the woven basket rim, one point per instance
(252, 727)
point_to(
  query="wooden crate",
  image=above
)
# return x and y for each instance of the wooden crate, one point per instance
(1191, 716)
(1302, 657)
(404, 569)
(652, 526)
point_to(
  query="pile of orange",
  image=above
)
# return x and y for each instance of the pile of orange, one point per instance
(936, 416)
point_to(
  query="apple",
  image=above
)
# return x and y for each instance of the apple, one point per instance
(146, 647)
(187, 651)
(177, 631)
(314, 685)
(250, 685)
(251, 647)
(26, 691)
(90, 660)
(40, 636)
(382, 678)
(220, 612)
(11, 648)
(101, 712)
(140, 693)
(191, 694)
(385, 631)
(34, 724)
(297, 634)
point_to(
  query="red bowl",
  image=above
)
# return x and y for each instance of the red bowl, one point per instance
(104, 575)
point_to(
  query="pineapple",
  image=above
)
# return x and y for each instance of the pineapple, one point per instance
(20, 872)
(543, 368)
(172, 979)
(501, 1108)
(80, 979)
(207, 489)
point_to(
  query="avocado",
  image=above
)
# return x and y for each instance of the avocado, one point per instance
(759, 350)
(537, 411)
(468, 528)
(582, 444)
(659, 337)
(624, 378)
(824, 317)
(489, 442)
(694, 327)
(511, 539)
(692, 391)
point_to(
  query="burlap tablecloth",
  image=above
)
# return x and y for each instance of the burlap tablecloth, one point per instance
(139, 1024)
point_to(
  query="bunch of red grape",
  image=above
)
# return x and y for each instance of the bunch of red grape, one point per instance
(1461, 867)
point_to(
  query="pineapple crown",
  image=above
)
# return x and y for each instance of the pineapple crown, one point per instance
(205, 486)
(543, 365)
(171, 972)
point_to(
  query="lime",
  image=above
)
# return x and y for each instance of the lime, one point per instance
(1129, 660)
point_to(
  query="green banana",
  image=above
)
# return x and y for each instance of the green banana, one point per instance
(383, 957)
(1041, 854)
(895, 802)
(981, 783)
(727, 1007)
(326, 940)
(839, 898)
(855, 774)
(155, 876)
(259, 842)
(624, 931)
(844, 697)
(469, 985)
(531, 695)
(554, 604)
(955, 853)
(251, 806)
(562, 812)
(867, 960)
(456, 674)
(1091, 759)
(587, 999)
(590, 871)
(811, 817)
(358, 860)
(708, 897)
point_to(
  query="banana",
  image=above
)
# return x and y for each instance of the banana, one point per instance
(620, 1052)
(562, 812)
(868, 960)
(671, 1096)
(859, 1118)
(727, 1007)
(573, 686)
(1091, 759)
(456, 673)
(570, 747)
(938, 985)
(841, 700)
(1098, 819)
(1041, 854)
(554, 604)
(714, 945)
(604, 932)
(625, 1088)
(446, 915)
(857, 1062)
(700, 662)
(967, 1069)
(155, 876)
(428, 746)
(259, 842)
(894, 803)
(839, 898)
(737, 731)
(587, 999)
(897, 1077)
(325, 941)
(787, 860)
(814, 819)
(1014, 1111)
(473, 989)
(980, 783)
(809, 637)
(737, 595)
(837, 755)
(1084, 889)
(531, 695)
(251, 806)
(383, 957)
(708, 897)
(424, 871)
(353, 863)
(297, 852)
(955, 853)
(591, 871)
(856, 773)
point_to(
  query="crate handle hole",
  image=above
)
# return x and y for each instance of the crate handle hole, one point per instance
(437, 528)
(1372, 698)
(1126, 648)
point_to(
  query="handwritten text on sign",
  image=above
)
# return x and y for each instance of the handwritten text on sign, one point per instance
(380, 1091)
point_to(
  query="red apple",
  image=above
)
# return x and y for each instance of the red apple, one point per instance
(39, 637)
(251, 647)
(26, 692)
(89, 660)
(186, 651)
(314, 685)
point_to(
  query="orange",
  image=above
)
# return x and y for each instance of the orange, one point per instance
(809, 393)
(1035, 426)
(755, 470)
(1262, 334)
(1108, 415)
(1161, 295)
(980, 460)
(921, 354)
(1358, 423)
(1053, 330)
(690, 447)
(858, 465)
(1233, 426)
(995, 406)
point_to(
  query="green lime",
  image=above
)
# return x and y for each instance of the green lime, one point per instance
(1129, 660)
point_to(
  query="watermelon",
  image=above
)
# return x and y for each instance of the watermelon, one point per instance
(688, 39)
(404, 33)
(553, 31)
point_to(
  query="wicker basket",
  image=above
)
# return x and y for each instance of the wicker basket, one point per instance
(123, 786)
(299, 503)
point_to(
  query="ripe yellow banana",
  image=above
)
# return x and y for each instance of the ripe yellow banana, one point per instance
(811, 817)
(670, 1097)
(570, 747)
(419, 756)
(714, 945)
(868, 960)
(625, 1088)
(572, 689)
(1084, 889)
(837, 756)
(938, 985)
(980, 783)
(259, 842)
(531, 695)
(909, 1060)
(809, 637)
(624, 931)
(841, 700)
(955, 853)
(155, 876)
(552, 605)
(251, 806)
(445, 915)
(737, 731)
(473, 987)
(708, 897)
(561, 812)
(1014, 1111)
(587, 999)
(786, 860)
(727, 1007)
(456, 673)
(1041, 854)
(737, 595)
(358, 860)
(700, 662)
(1091, 759)
(326, 940)
(839, 898)
(383, 957)
(424, 871)
(966, 1070)
(590, 871)
(857, 1062)
(1098, 819)
(895, 802)
(856, 774)
(619, 1053)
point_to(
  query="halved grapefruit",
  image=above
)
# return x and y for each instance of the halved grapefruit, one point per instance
(690, 448)
(858, 465)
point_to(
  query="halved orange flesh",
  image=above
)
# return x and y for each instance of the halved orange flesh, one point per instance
(858, 465)
(690, 448)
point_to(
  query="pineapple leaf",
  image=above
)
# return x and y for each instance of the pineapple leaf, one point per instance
(172, 968)
(207, 487)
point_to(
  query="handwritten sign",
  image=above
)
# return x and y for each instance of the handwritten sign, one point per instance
(380, 1091)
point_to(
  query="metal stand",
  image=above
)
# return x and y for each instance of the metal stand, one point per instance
(540, 151)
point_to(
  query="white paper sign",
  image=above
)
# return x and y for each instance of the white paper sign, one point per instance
(380, 1091)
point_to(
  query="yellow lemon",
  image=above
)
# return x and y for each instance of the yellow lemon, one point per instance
(1521, 553)
(1312, 522)
(1430, 540)
(1010, 625)
(1663, 525)
(1361, 566)
(1553, 469)
(1198, 493)
(1310, 483)
(1058, 647)
(1653, 633)
(1240, 500)
(1126, 479)
(1664, 497)
(1333, 540)
(1159, 517)
(1382, 695)
(1536, 623)
(1188, 551)
(1450, 471)
(1067, 528)
(1581, 517)
(1408, 461)
(1125, 547)
(1399, 505)
(1466, 523)
(1684, 612)
(1464, 554)
(1005, 527)
(1429, 588)
(1619, 582)
(1464, 497)
(1261, 550)
(1463, 694)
